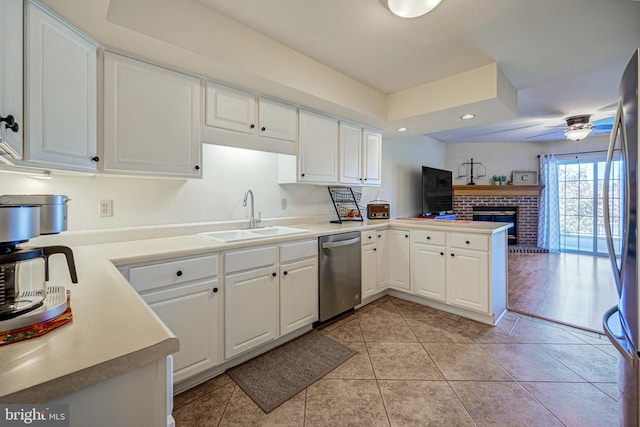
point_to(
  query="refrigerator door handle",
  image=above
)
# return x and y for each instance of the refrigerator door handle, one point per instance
(615, 339)
(605, 201)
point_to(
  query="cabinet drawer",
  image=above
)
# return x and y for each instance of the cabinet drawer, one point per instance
(298, 250)
(246, 259)
(428, 236)
(368, 237)
(173, 272)
(469, 241)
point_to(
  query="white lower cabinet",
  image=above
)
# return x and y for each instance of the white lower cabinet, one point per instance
(465, 270)
(369, 264)
(298, 285)
(251, 299)
(399, 252)
(468, 279)
(374, 262)
(428, 264)
(185, 294)
(190, 312)
(382, 249)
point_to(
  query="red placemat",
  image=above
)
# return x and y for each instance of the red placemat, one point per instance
(37, 329)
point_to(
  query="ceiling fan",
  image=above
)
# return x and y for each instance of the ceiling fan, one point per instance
(579, 127)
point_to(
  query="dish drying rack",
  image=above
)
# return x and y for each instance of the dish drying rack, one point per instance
(345, 201)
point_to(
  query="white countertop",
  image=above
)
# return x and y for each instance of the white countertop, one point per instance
(113, 330)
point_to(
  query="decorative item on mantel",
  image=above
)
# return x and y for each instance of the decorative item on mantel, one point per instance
(462, 171)
(499, 179)
(525, 177)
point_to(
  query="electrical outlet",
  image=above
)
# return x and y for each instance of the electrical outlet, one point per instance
(283, 204)
(106, 208)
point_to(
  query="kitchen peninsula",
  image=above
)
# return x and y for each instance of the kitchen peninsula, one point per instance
(114, 352)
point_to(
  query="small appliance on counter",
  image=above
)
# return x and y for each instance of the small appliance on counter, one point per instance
(25, 297)
(378, 209)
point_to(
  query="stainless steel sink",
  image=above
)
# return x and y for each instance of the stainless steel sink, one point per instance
(229, 236)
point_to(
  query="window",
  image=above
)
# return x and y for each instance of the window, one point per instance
(580, 185)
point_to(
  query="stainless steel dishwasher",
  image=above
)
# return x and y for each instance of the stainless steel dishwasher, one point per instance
(339, 271)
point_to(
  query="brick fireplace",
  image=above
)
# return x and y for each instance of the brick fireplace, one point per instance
(524, 197)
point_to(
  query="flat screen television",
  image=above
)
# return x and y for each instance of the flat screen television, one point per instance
(437, 190)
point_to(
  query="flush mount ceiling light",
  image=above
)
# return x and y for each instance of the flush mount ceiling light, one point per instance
(578, 134)
(410, 8)
(467, 116)
(402, 129)
(579, 127)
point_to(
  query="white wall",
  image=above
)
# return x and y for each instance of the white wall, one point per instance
(402, 161)
(502, 158)
(227, 174)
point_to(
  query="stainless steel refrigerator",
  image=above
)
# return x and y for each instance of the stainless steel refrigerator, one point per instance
(621, 322)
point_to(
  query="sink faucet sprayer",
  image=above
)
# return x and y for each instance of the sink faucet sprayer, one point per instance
(252, 220)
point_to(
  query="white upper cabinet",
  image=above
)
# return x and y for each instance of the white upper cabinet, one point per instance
(249, 117)
(11, 78)
(317, 148)
(372, 157)
(277, 120)
(60, 94)
(230, 109)
(350, 153)
(360, 155)
(151, 119)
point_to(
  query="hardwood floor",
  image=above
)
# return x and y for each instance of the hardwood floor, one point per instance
(568, 288)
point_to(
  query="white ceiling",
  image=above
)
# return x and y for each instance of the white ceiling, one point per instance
(564, 57)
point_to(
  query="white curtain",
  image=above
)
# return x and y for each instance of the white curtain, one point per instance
(549, 205)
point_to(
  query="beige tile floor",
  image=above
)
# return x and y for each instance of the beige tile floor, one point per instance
(418, 366)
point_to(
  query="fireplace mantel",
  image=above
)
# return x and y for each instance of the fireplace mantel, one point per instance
(497, 190)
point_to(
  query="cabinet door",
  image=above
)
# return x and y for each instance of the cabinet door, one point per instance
(383, 259)
(298, 294)
(317, 148)
(277, 120)
(372, 155)
(151, 119)
(231, 109)
(191, 313)
(369, 279)
(251, 316)
(399, 274)
(350, 153)
(468, 279)
(428, 264)
(11, 76)
(61, 93)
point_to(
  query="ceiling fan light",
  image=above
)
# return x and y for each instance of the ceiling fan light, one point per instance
(410, 8)
(578, 134)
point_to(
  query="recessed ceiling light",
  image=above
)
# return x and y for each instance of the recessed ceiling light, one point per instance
(467, 116)
(403, 129)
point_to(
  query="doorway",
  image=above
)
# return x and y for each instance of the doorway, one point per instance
(574, 286)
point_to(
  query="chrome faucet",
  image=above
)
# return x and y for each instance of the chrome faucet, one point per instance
(252, 220)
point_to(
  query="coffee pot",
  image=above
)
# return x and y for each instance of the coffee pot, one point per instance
(25, 271)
